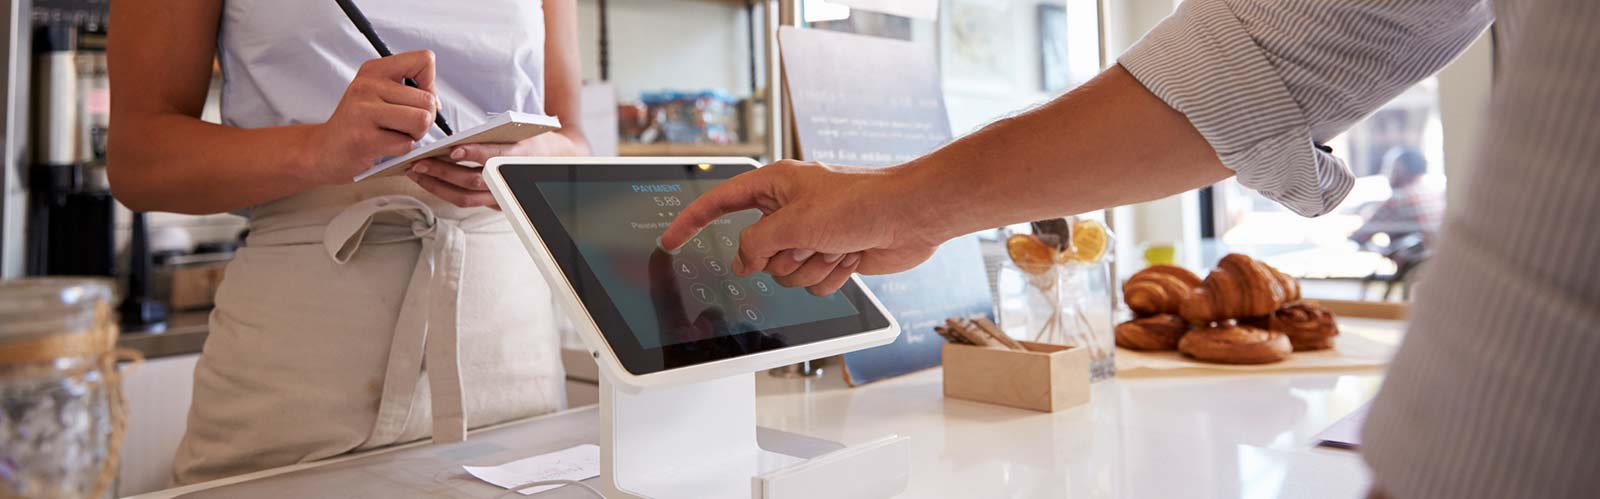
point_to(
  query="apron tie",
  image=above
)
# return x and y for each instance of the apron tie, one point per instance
(425, 335)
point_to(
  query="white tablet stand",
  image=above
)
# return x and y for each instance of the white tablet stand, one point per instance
(698, 440)
(690, 432)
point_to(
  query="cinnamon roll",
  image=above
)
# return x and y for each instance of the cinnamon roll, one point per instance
(1157, 332)
(1235, 344)
(1309, 327)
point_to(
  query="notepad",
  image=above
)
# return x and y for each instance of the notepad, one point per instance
(502, 128)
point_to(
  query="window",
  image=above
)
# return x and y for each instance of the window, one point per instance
(1382, 231)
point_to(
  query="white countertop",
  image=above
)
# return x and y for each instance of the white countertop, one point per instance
(1244, 435)
(1194, 436)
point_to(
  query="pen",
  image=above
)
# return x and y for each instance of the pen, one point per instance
(365, 27)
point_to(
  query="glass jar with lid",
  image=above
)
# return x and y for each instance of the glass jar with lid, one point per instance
(60, 400)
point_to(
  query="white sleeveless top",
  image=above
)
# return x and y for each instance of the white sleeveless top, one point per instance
(288, 62)
(369, 314)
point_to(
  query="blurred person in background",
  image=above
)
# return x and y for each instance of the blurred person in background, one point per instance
(1414, 208)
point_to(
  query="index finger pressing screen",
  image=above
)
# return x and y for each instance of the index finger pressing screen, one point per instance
(734, 195)
(687, 295)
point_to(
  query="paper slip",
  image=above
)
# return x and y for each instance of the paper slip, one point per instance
(1346, 433)
(574, 463)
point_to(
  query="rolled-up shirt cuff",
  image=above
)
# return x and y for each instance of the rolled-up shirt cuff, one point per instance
(1203, 63)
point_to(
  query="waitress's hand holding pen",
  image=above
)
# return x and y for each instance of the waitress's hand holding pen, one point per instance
(379, 116)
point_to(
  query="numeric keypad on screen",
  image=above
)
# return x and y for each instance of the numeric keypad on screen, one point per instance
(710, 281)
(716, 266)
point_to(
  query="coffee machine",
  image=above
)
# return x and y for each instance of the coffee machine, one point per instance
(71, 225)
(57, 215)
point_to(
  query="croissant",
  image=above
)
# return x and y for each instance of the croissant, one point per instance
(1236, 344)
(1308, 326)
(1157, 332)
(1239, 287)
(1159, 289)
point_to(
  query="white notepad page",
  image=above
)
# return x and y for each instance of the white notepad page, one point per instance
(509, 126)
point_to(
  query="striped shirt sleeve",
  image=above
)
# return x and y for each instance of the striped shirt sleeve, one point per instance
(1266, 82)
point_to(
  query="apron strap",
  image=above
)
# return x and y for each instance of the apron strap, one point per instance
(449, 255)
(430, 308)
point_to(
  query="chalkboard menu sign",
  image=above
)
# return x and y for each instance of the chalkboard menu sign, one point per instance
(874, 102)
(861, 100)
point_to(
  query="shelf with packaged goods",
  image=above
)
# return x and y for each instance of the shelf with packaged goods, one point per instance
(764, 18)
(662, 149)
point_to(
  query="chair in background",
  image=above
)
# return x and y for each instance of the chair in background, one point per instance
(1408, 253)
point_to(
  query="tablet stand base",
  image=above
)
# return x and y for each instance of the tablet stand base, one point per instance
(698, 441)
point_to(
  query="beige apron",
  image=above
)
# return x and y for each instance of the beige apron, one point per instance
(367, 315)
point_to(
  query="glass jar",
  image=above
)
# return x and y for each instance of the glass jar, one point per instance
(60, 408)
(1068, 305)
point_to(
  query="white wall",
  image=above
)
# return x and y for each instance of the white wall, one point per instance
(669, 44)
(1127, 20)
(971, 108)
(1464, 88)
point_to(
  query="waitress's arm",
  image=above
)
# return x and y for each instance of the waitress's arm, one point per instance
(563, 75)
(563, 88)
(164, 158)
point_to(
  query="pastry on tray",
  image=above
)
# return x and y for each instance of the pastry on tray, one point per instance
(1309, 327)
(1239, 287)
(1230, 343)
(1156, 332)
(1243, 312)
(1159, 289)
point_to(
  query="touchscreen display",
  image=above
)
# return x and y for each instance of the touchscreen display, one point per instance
(669, 299)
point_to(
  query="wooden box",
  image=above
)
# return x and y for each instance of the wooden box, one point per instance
(195, 286)
(1045, 378)
(189, 282)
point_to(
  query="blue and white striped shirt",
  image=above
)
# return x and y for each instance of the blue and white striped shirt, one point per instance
(1496, 391)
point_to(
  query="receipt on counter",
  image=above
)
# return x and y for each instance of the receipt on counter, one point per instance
(574, 463)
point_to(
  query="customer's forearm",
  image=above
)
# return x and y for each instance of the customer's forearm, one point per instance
(1108, 143)
(180, 164)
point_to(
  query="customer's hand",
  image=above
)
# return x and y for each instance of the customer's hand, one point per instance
(379, 116)
(820, 223)
(463, 185)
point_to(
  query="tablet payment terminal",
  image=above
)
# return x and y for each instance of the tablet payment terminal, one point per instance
(654, 317)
